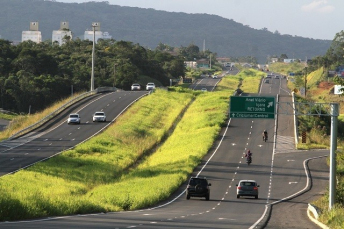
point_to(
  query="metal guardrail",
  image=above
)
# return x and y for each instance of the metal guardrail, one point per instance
(54, 113)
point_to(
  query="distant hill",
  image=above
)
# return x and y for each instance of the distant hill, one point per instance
(149, 27)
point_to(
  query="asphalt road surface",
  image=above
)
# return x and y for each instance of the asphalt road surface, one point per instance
(3, 124)
(56, 135)
(281, 172)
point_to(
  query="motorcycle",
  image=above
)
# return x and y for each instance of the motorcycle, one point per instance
(249, 160)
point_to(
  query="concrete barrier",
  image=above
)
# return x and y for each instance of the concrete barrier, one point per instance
(313, 215)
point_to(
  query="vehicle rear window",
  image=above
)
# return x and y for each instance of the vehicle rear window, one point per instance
(73, 116)
(198, 181)
(248, 184)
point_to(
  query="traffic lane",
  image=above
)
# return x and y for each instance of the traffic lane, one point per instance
(289, 174)
(272, 88)
(112, 104)
(60, 137)
(208, 83)
(232, 209)
(3, 124)
(292, 213)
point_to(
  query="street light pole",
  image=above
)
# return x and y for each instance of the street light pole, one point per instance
(92, 73)
(210, 61)
(114, 74)
(306, 83)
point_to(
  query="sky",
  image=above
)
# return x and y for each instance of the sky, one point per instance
(317, 19)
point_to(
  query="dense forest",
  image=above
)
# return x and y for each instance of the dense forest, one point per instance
(37, 75)
(149, 27)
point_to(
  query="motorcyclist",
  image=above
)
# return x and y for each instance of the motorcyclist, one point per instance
(265, 135)
(248, 155)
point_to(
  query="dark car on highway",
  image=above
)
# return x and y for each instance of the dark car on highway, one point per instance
(198, 187)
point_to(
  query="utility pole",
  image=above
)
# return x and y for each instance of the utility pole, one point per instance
(114, 74)
(333, 148)
(306, 82)
(210, 61)
(94, 25)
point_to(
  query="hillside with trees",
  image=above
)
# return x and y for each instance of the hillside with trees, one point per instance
(149, 27)
(37, 75)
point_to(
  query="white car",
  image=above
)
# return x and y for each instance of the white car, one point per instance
(150, 86)
(99, 116)
(74, 118)
(214, 76)
(204, 89)
(135, 87)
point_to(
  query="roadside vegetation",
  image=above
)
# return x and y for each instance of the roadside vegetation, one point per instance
(286, 68)
(7, 116)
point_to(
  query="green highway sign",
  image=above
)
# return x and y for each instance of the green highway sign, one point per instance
(252, 107)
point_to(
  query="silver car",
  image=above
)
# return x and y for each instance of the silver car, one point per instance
(247, 188)
(150, 86)
(135, 87)
(99, 116)
(74, 118)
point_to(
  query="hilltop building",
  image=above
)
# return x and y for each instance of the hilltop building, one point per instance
(88, 35)
(33, 34)
(62, 34)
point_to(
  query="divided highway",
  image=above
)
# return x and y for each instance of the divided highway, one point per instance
(280, 174)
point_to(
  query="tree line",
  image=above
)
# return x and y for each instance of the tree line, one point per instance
(36, 75)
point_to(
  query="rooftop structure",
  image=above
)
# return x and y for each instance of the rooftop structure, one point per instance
(33, 34)
(62, 34)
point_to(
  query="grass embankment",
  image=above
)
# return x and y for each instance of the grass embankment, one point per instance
(249, 81)
(19, 122)
(7, 116)
(131, 165)
(286, 68)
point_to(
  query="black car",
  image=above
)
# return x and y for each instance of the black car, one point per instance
(198, 187)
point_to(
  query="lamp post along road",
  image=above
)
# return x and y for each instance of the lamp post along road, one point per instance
(114, 74)
(94, 25)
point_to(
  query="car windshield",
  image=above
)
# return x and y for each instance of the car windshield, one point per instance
(99, 114)
(74, 116)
